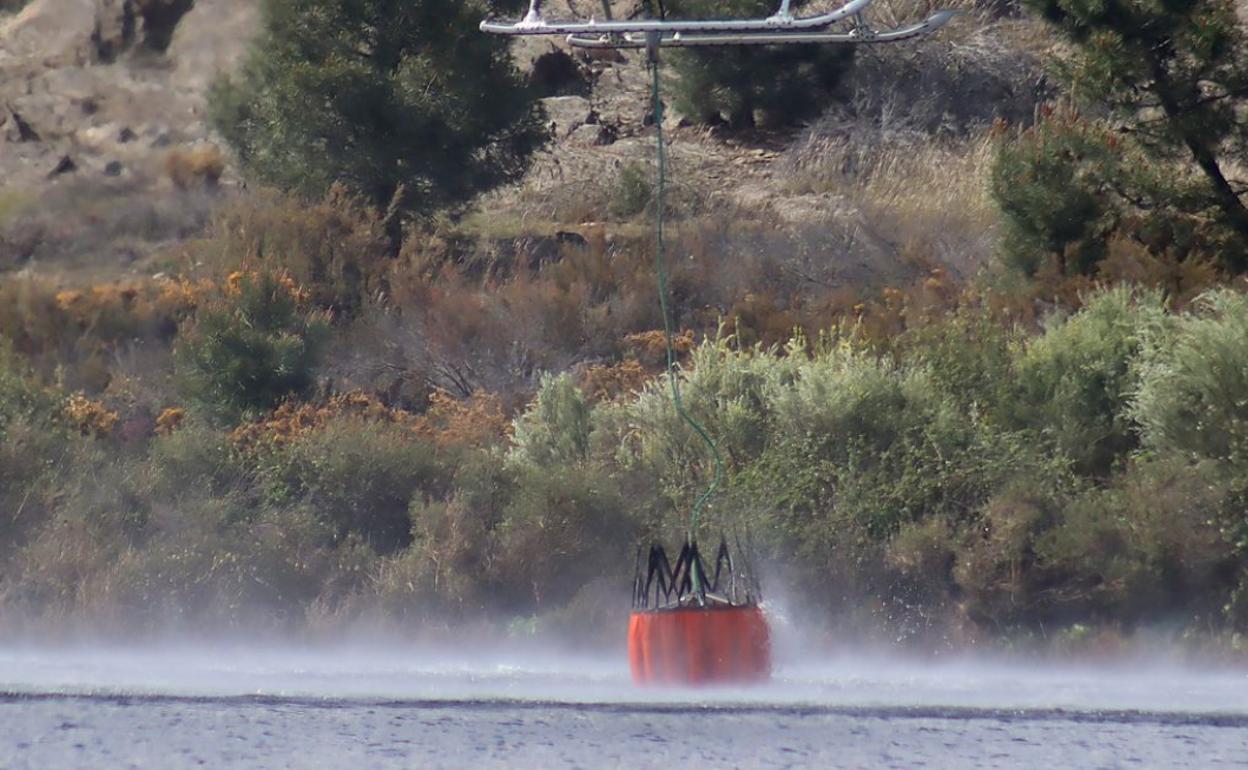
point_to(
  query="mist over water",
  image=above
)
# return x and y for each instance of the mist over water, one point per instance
(537, 703)
(526, 673)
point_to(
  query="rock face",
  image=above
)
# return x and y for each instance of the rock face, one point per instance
(114, 29)
(567, 113)
(48, 30)
(212, 38)
(112, 85)
(14, 128)
(160, 20)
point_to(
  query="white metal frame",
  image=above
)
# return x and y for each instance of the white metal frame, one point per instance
(534, 24)
(859, 33)
(780, 28)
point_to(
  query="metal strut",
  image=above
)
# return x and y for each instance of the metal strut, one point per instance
(534, 24)
(859, 34)
(781, 28)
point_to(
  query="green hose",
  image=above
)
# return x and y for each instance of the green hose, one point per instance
(661, 266)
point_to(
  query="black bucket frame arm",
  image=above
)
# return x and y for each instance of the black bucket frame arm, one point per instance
(662, 584)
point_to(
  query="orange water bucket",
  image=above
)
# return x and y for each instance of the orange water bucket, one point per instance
(699, 646)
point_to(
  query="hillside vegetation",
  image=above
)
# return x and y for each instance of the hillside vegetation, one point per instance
(969, 328)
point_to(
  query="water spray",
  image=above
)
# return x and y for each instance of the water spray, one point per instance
(689, 626)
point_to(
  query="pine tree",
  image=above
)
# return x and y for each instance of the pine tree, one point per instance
(250, 350)
(784, 83)
(1055, 184)
(1174, 76)
(388, 97)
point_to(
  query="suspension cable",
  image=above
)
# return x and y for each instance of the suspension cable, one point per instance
(660, 261)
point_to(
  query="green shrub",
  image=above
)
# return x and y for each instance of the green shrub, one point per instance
(94, 507)
(844, 494)
(32, 450)
(555, 429)
(968, 357)
(786, 84)
(58, 573)
(20, 395)
(260, 575)
(1155, 545)
(845, 396)
(563, 528)
(1074, 382)
(1193, 381)
(723, 388)
(250, 350)
(130, 545)
(358, 475)
(846, 415)
(197, 460)
(998, 572)
(923, 554)
(963, 479)
(32, 454)
(450, 567)
(632, 192)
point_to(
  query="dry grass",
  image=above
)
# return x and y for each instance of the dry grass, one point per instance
(335, 248)
(13, 203)
(928, 197)
(906, 158)
(85, 337)
(89, 230)
(584, 185)
(933, 181)
(939, 197)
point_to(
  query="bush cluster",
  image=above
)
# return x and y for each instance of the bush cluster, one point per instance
(971, 479)
(306, 416)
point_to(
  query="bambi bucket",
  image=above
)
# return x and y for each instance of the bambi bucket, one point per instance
(689, 627)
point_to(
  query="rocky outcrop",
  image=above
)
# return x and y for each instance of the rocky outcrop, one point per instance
(160, 20)
(111, 85)
(114, 29)
(14, 128)
(212, 38)
(147, 26)
(48, 31)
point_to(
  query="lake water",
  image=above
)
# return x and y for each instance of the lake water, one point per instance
(390, 706)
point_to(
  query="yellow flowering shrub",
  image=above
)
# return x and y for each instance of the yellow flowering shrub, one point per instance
(89, 417)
